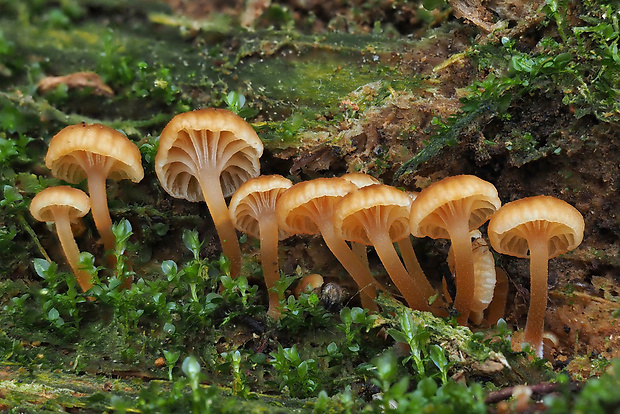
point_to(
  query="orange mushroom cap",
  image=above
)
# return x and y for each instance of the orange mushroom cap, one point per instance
(72, 202)
(540, 228)
(78, 148)
(210, 140)
(451, 208)
(253, 211)
(466, 195)
(255, 201)
(63, 205)
(207, 154)
(511, 226)
(306, 205)
(360, 179)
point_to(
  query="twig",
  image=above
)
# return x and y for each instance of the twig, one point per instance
(543, 388)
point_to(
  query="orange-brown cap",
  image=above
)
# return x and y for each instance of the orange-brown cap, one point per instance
(256, 199)
(79, 145)
(52, 199)
(361, 179)
(214, 139)
(305, 202)
(364, 208)
(460, 194)
(511, 225)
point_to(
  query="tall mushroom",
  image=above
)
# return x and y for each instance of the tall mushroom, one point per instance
(308, 208)
(253, 211)
(540, 227)
(207, 154)
(378, 215)
(63, 205)
(450, 209)
(96, 153)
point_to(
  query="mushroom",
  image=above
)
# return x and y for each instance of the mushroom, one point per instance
(253, 211)
(96, 153)
(308, 208)
(207, 154)
(378, 215)
(484, 274)
(308, 284)
(450, 209)
(540, 227)
(63, 205)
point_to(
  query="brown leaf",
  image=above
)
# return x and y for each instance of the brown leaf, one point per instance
(79, 80)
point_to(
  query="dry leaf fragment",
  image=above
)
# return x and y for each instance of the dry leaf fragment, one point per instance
(79, 80)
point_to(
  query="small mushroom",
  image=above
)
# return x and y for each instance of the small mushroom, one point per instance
(378, 215)
(450, 209)
(96, 153)
(309, 283)
(541, 228)
(484, 273)
(63, 205)
(205, 155)
(497, 307)
(253, 211)
(308, 208)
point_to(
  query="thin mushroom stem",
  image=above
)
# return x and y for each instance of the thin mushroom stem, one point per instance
(360, 251)
(212, 192)
(99, 208)
(413, 267)
(71, 250)
(353, 265)
(539, 262)
(407, 286)
(464, 265)
(269, 260)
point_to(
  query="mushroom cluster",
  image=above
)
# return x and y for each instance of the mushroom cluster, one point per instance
(211, 154)
(95, 153)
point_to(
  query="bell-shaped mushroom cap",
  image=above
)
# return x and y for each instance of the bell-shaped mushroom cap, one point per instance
(301, 205)
(214, 139)
(256, 199)
(373, 204)
(361, 179)
(511, 226)
(75, 202)
(78, 146)
(457, 193)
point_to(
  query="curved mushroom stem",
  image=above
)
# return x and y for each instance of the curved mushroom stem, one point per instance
(71, 250)
(99, 208)
(464, 264)
(539, 262)
(101, 216)
(408, 286)
(212, 192)
(353, 265)
(413, 267)
(269, 260)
